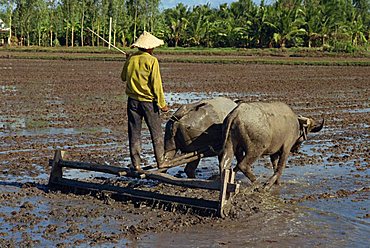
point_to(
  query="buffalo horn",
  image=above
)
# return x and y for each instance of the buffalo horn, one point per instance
(318, 127)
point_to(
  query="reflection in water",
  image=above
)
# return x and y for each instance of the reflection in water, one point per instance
(82, 174)
(362, 110)
(8, 88)
(189, 97)
(53, 130)
(12, 122)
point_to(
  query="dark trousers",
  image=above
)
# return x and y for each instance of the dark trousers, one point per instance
(136, 111)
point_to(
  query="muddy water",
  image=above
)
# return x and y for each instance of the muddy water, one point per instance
(330, 208)
(323, 199)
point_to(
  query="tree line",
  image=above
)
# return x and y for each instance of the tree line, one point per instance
(282, 23)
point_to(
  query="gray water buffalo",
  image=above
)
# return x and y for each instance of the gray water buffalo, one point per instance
(197, 127)
(255, 129)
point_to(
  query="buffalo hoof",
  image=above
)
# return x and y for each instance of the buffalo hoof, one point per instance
(266, 187)
(260, 188)
(189, 173)
(136, 169)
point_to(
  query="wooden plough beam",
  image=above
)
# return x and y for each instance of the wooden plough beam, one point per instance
(226, 185)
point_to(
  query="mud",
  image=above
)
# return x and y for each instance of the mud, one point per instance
(79, 106)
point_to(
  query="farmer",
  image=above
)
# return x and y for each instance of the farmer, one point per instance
(145, 98)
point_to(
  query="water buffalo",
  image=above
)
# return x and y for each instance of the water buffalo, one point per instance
(195, 127)
(255, 129)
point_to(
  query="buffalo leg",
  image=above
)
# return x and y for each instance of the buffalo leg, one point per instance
(245, 166)
(239, 157)
(274, 161)
(277, 174)
(190, 168)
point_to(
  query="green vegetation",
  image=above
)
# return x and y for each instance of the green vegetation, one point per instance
(332, 25)
(196, 51)
(35, 123)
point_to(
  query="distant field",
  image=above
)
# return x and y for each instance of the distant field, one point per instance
(292, 56)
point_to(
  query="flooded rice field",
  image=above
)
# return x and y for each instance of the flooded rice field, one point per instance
(80, 107)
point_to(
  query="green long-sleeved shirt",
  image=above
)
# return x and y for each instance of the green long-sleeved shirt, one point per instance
(143, 78)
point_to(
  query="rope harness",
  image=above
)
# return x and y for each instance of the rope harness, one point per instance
(303, 132)
(304, 122)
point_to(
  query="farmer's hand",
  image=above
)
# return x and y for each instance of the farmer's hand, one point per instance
(165, 109)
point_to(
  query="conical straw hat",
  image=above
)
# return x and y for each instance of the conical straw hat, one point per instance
(147, 41)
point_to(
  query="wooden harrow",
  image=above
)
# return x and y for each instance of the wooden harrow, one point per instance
(226, 185)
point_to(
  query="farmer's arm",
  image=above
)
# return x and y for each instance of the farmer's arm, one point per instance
(124, 71)
(156, 80)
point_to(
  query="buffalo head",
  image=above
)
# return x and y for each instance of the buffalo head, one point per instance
(306, 126)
